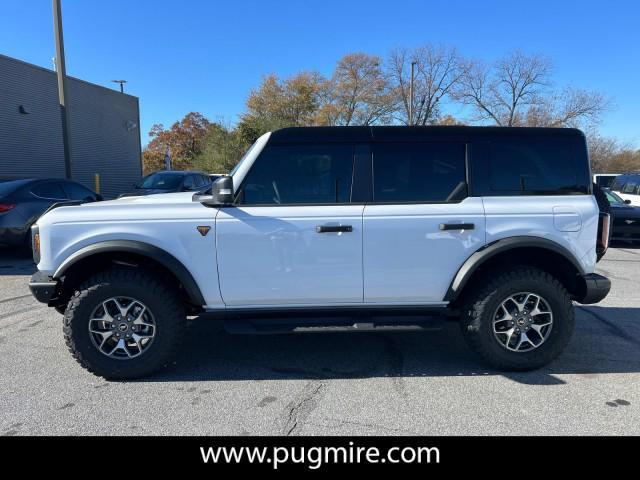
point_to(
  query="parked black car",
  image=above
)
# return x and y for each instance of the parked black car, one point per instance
(23, 200)
(626, 218)
(169, 181)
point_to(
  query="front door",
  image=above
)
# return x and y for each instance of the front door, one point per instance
(294, 238)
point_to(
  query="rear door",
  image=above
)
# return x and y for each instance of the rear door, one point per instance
(294, 237)
(421, 225)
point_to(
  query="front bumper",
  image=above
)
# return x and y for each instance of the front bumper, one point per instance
(596, 287)
(43, 287)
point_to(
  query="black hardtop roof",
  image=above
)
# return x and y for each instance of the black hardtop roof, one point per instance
(415, 134)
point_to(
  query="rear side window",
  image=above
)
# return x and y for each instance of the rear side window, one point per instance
(543, 167)
(52, 190)
(419, 172)
(78, 192)
(300, 174)
(630, 187)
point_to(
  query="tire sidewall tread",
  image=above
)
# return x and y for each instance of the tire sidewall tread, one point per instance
(163, 301)
(480, 306)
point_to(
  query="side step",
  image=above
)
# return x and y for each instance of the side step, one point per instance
(329, 325)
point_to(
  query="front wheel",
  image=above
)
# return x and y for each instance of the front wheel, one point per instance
(124, 324)
(519, 320)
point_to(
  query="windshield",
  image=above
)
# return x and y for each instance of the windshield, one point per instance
(614, 199)
(162, 181)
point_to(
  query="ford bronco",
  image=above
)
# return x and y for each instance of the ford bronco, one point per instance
(360, 228)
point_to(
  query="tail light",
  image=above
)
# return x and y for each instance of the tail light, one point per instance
(604, 233)
(35, 243)
(5, 207)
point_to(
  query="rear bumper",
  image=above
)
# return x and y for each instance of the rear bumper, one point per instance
(596, 287)
(42, 287)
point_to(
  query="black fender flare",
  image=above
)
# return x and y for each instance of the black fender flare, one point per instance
(479, 257)
(159, 255)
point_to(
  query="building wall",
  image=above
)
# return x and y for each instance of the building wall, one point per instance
(105, 131)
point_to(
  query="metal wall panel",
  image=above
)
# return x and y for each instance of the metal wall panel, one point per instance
(104, 129)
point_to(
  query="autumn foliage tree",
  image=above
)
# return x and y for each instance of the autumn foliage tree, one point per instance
(184, 139)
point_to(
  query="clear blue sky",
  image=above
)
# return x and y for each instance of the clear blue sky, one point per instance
(204, 55)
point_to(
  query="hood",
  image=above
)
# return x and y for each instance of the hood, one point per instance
(168, 206)
(159, 199)
(145, 191)
(626, 211)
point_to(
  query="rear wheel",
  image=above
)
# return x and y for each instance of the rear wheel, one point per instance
(519, 320)
(124, 324)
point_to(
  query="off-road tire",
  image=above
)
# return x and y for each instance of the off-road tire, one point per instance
(481, 304)
(160, 297)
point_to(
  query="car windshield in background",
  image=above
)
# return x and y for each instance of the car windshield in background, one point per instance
(162, 181)
(614, 199)
(10, 186)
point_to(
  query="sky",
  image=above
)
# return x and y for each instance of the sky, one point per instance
(206, 55)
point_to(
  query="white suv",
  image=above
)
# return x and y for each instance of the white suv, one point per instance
(362, 228)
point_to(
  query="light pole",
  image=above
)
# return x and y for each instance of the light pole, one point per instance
(413, 64)
(121, 82)
(61, 71)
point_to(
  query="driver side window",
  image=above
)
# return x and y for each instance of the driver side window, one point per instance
(300, 174)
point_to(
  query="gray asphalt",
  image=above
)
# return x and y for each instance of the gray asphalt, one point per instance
(324, 384)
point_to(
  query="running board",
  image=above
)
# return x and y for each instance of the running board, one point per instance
(318, 325)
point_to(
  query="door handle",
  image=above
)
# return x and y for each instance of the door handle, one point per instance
(457, 226)
(334, 228)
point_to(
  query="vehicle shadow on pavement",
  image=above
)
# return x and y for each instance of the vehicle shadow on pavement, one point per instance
(16, 261)
(606, 340)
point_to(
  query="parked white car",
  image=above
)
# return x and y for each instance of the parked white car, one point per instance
(362, 228)
(627, 186)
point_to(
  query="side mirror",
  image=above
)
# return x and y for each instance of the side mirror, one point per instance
(219, 195)
(628, 202)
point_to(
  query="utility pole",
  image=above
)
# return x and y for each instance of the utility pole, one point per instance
(121, 82)
(413, 64)
(61, 71)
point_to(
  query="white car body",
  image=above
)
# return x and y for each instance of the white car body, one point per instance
(270, 256)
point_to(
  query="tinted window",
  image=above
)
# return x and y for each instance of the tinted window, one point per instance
(50, 190)
(530, 166)
(617, 183)
(300, 174)
(420, 172)
(630, 187)
(189, 182)
(162, 180)
(605, 181)
(77, 192)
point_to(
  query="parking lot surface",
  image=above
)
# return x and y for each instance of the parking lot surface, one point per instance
(325, 384)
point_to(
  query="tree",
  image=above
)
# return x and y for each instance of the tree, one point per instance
(437, 71)
(221, 150)
(357, 94)
(277, 104)
(516, 91)
(184, 140)
(501, 93)
(608, 156)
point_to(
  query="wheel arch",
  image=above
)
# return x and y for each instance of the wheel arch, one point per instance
(132, 253)
(523, 250)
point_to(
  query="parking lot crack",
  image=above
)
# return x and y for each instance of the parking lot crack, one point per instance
(299, 409)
